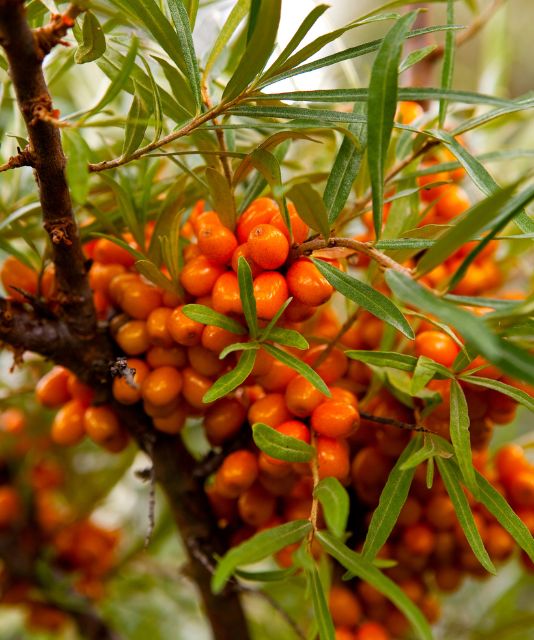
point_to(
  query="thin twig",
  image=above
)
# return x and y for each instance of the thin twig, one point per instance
(335, 339)
(22, 159)
(307, 248)
(393, 423)
(478, 23)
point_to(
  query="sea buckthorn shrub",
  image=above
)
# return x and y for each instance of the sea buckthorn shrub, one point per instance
(322, 354)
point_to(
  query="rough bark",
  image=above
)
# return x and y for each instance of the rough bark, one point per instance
(72, 338)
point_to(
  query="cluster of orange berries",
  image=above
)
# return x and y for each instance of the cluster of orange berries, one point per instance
(176, 361)
(36, 520)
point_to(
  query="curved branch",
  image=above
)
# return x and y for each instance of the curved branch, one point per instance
(307, 248)
(24, 55)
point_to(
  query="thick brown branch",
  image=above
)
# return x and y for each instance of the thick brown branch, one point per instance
(52, 34)
(307, 248)
(22, 159)
(25, 60)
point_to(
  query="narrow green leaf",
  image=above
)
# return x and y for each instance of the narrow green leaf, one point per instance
(239, 346)
(346, 54)
(366, 571)
(459, 429)
(404, 93)
(148, 13)
(119, 80)
(299, 366)
(231, 380)
(78, 154)
(258, 50)
(279, 446)
(92, 44)
(425, 370)
(205, 315)
(183, 29)
(126, 208)
(520, 104)
(416, 56)
(384, 359)
(266, 331)
(382, 104)
(235, 17)
(222, 197)
(246, 291)
(430, 449)
(151, 272)
(335, 502)
(297, 38)
(503, 512)
(365, 296)
(518, 395)
(505, 355)
(287, 337)
(276, 575)
(136, 125)
(311, 207)
(451, 479)
(447, 69)
(345, 169)
(260, 546)
(290, 113)
(322, 617)
(430, 468)
(391, 501)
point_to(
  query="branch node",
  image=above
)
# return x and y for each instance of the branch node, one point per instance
(59, 230)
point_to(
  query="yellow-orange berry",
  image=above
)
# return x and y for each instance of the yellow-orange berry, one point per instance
(101, 424)
(156, 326)
(225, 296)
(199, 275)
(270, 293)
(268, 246)
(162, 386)
(52, 390)
(183, 330)
(128, 391)
(133, 337)
(335, 419)
(307, 284)
(140, 299)
(67, 426)
(217, 242)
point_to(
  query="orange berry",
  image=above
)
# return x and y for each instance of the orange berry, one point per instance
(140, 299)
(67, 426)
(419, 539)
(408, 111)
(453, 201)
(215, 339)
(156, 326)
(302, 397)
(14, 273)
(335, 419)
(12, 420)
(438, 346)
(259, 212)
(166, 357)
(195, 386)
(509, 461)
(183, 330)
(216, 242)
(370, 467)
(499, 543)
(243, 251)
(129, 392)
(52, 390)
(307, 284)
(295, 429)
(101, 275)
(133, 337)
(162, 410)
(371, 631)
(298, 312)
(107, 252)
(199, 275)
(271, 410)
(343, 633)
(10, 506)
(268, 246)
(448, 578)
(429, 194)
(332, 458)
(344, 606)
(270, 292)
(226, 297)
(172, 423)
(410, 513)
(256, 506)
(80, 391)
(333, 367)
(100, 423)
(237, 473)
(204, 361)
(162, 386)
(521, 487)
(223, 420)
(119, 284)
(439, 512)
(277, 377)
(299, 228)
(206, 218)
